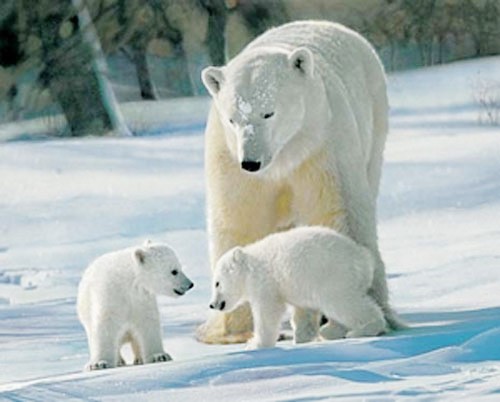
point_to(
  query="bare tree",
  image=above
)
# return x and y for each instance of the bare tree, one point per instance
(387, 26)
(486, 94)
(254, 17)
(261, 15)
(215, 38)
(421, 13)
(73, 66)
(10, 46)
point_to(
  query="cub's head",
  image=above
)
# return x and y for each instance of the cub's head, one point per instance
(228, 283)
(260, 97)
(159, 271)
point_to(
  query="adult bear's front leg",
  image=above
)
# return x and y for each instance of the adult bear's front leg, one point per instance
(224, 328)
(241, 209)
(267, 314)
(236, 326)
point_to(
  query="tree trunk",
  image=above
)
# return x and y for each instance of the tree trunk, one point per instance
(261, 15)
(215, 41)
(140, 60)
(74, 68)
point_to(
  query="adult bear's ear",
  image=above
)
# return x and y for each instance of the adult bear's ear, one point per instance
(239, 255)
(301, 60)
(213, 78)
(140, 256)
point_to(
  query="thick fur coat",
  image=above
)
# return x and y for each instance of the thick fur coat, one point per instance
(117, 303)
(295, 137)
(309, 267)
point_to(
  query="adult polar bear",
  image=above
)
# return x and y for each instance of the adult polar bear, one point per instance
(295, 137)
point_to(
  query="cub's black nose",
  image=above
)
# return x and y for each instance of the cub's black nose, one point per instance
(250, 166)
(191, 285)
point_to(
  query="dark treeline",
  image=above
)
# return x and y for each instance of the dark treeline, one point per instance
(67, 55)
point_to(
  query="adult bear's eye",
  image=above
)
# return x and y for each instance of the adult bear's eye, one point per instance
(231, 121)
(216, 284)
(175, 272)
(268, 115)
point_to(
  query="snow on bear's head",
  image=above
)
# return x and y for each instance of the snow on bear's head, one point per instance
(229, 279)
(260, 97)
(159, 271)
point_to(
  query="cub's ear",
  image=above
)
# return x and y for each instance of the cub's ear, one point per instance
(302, 60)
(147, 243)
(213, 78)
(140, 255)
(239, 255)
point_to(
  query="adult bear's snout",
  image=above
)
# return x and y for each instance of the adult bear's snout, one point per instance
(219, 306)
(250, 166)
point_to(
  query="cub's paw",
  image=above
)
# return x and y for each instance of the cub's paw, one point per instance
(254, 344)
(374, 328)
(251, 345)
(100, 365)
(138, 361)
(161, 357)
(305, 334)
(332, 331)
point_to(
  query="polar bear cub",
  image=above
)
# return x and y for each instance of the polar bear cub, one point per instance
(308, 267)
(117, 303)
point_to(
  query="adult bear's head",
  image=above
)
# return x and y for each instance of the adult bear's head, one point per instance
(263, 97)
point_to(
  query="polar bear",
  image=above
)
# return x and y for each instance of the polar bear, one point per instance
(117, 303)
(308, 267)
(295, 137)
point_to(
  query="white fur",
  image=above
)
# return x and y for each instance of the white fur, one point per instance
(117, 302)
(320, 152)
(308, 267)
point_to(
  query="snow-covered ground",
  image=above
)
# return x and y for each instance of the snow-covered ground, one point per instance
(64, 202)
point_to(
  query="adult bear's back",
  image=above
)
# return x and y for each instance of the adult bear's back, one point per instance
(352, 72)
(339, 46)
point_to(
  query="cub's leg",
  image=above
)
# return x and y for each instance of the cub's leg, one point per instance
(136, 349)
(149, 341)
(332, 330)
(360, 315)
(103, 345)
(305, 325)
(267, 319)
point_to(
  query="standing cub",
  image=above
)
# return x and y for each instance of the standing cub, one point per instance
(117, 303)
(307, 267)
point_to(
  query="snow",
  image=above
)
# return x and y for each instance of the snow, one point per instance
(64, 202)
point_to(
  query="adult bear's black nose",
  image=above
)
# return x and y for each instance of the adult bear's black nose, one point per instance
(250, 166)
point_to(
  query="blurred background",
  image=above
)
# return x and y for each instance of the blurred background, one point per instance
(76, 73)
(73, 62)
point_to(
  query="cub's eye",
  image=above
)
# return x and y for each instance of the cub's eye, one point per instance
(216, 284)
(175, 272)
(268, 115)
(231, 121)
